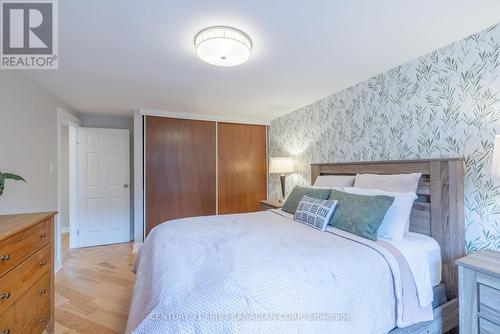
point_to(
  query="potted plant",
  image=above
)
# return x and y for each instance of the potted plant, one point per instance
(8, 176)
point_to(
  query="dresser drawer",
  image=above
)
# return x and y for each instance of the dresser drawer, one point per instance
(489, 301)
(20, 279)
(17, 316)
(20, 246)
(39, 321)
(488, 327)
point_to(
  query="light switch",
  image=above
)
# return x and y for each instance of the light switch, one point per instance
(51, 167)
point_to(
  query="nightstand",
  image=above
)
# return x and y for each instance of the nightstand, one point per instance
(270, 204)
(479, 295)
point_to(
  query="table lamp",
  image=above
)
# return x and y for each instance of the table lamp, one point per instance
(281, 165)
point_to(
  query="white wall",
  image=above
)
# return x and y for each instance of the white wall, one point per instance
(116, 122)
(106, 121)
(28, 143)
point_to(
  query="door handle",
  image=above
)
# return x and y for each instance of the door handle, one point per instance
(125, 186)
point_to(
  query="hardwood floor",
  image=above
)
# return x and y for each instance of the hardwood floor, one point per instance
(94, 289)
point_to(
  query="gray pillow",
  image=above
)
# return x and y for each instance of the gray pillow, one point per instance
(298, 192)
(359, 214)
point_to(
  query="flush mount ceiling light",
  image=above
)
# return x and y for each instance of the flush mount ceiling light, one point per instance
(223, 46)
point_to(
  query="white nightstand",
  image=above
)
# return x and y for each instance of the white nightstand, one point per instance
(479, 292)
(270, 204)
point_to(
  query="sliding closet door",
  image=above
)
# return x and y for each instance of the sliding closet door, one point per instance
(242, 167)
(180, 169)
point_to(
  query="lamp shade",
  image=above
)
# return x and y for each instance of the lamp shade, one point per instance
(281, 165)
(495, 168)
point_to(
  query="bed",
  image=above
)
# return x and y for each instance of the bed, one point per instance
(263, 272)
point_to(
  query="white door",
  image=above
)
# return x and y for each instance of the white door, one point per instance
(103, 186)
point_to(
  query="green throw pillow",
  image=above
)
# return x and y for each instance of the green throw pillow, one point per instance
(359, 214)
(292, 202)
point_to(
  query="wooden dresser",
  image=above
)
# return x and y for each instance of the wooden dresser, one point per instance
(27, 273)
(479, 282)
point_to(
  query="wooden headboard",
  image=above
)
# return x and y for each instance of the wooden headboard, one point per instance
(439, 209)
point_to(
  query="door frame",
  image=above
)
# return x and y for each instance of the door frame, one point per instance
(64, 118)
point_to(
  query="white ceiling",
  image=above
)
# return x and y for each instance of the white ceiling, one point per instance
(120, 55)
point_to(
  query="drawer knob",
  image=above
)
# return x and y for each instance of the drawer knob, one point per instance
(43, 263)
(43, 235)
(42, 291)
(42, 320)
(5, 295)
(5, 258)
(5, 331)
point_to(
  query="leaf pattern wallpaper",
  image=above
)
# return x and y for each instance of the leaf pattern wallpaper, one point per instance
(444, 104)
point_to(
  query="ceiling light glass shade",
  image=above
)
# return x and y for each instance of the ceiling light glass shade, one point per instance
(223, 46)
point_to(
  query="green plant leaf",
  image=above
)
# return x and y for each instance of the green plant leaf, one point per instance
(9, 176)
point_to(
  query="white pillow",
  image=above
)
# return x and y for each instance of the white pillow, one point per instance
(400, 183)
(397, 217)
(332, 181)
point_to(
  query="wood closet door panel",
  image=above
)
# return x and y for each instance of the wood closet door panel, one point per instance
(180, 169)
(242, 167)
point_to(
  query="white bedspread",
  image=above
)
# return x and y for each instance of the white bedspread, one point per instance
(423, 255)
(225, 274)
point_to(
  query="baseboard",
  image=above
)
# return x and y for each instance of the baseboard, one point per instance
(57, 266)
(64, 229)
(136, 247)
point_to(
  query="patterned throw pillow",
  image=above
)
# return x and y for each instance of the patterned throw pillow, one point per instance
(315, 212)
